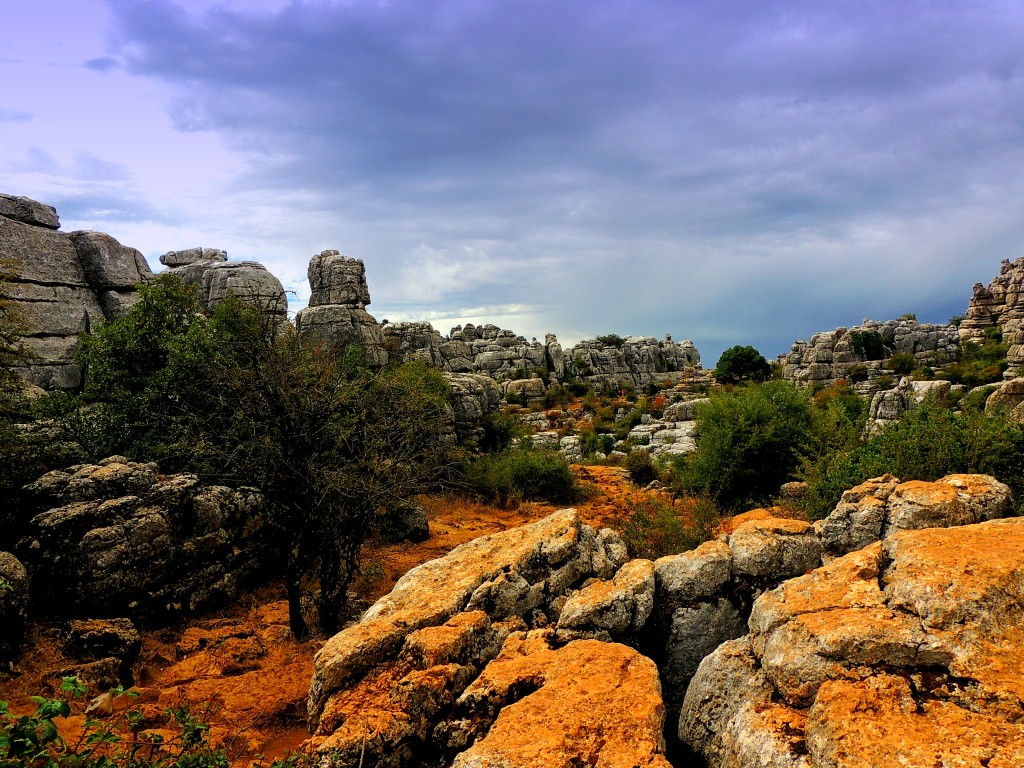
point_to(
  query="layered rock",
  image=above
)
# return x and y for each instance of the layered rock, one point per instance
(117, 539)
(337, 314)
(473, 397)
(14, 593)
(999, 308)
(859, 354)
(637, 362)
(61, 285)
(216, 278)
(907, 652)
(384, 689)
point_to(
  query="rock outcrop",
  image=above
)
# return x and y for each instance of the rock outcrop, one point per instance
(907, 652)
(216, 278)
(859, 354)
(337, 314)
(396, 685)
(62, 284)
(999, 308)
(636, 362)
(473, 397)
(14, 592)
(117, 539)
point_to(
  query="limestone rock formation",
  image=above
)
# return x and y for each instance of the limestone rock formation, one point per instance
(116, 539)
(473, 397)
(611, 609)
(907, 652)
(858, 354)
(62, 284)
(14, 593)
(880, 506)
(337, 314)
(390, 680)
(216, 278)
(588, 703)
(637, 362)
(999, 308)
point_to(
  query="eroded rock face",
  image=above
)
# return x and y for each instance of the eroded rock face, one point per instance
(474, 396)
(14, 592)
(880, 506)
(588, 703)
(390, 679)
(336, 314)
(115, 539)
(62, 284)
(216, 278)
(1000, 306)
(907, 652)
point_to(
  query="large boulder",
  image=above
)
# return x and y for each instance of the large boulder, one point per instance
(216, 278)
(390, 679)
(28, 211)
(14, 593)
(906, 653)
(118, 539)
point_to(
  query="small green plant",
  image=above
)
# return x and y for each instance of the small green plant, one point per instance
(656, 528)
(868, 344)
(901, 363)
(908, 316)
(610, 340)
(956, 320)
(641, 467)
(520, 474)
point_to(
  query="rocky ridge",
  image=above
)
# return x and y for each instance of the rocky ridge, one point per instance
(472, 659)
(858, 354)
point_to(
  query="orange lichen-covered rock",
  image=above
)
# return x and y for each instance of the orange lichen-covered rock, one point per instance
(588, 703)
(511, 573)
(907, 653)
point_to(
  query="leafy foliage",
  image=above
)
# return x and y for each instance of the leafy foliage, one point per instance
(901, 363)
(979, 363)
(610, 340)
(521, 474)
(641, 466)
(241, 401)
(749, 442)
(868, 344)
(742, 363)
(656, 528)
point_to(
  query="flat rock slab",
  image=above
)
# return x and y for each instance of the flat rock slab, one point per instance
(588, 703)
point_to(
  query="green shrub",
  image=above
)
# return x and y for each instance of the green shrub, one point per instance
(610, 340)
(928, 442)
(656, 528)
(748, 443)
(523, 474)
(979, 363)
(901, 363)
(500, 430)
(641, 467)
(868, 344)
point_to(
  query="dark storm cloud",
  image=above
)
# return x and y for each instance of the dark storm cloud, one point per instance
(690, 153)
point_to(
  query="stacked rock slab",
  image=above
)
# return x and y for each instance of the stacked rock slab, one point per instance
(398, 686)
(216, 278)
(337, 314)
(906, 653)
(62, 284)
(999, 307)
(849, 354)
(117, 539)
(636, 362)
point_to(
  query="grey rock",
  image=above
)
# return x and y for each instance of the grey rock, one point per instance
(699, 574)
(192, 255)
(249, 281)
(620, 606)
(28, 211)
(14, 595)
(108, 264)
(774, 548)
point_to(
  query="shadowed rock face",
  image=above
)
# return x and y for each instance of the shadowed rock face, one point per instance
(62, 284)
(999, 306)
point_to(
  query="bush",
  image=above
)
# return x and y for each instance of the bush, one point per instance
(979, 363)
(523, 474)
(655, 528)
(500, 430)
(748, 443)
(610, 340)
(641, 467)
(868, 344)
(928, 442)
(739, 363)
(901, 363)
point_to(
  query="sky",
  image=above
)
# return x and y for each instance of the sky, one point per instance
(728, 171)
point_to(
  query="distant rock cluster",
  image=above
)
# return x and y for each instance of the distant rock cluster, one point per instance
(1000, 306)
(859, 354)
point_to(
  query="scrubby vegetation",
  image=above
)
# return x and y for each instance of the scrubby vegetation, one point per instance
(521, 474)
(742, 363)
(654, 527)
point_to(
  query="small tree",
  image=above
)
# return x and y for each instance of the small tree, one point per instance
(238, 399)
(742, 363)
